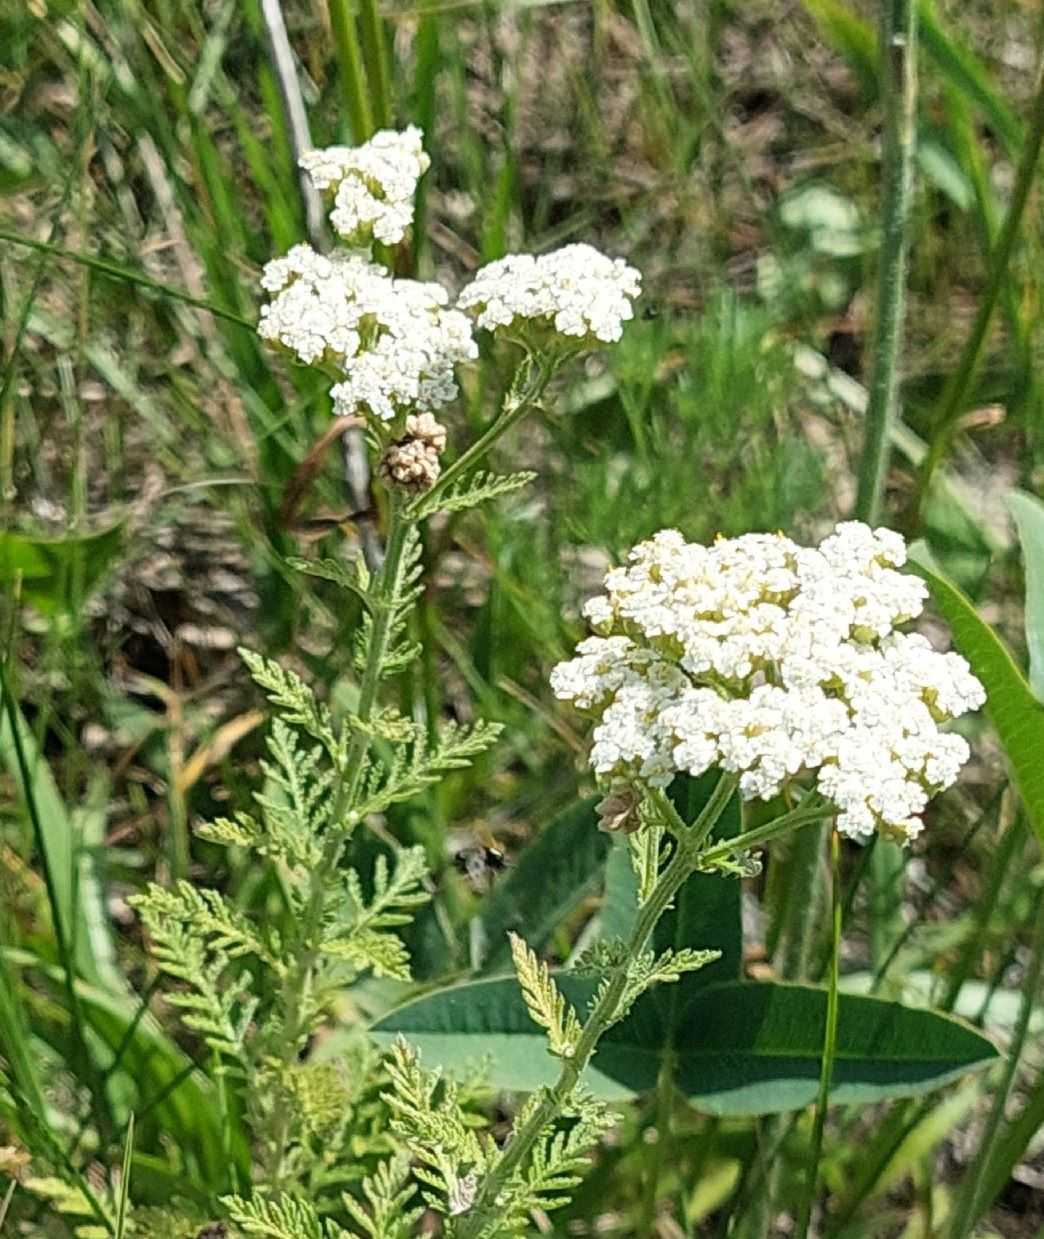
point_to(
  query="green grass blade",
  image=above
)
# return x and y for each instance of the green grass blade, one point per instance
(970, 76)
(976, 1195)
(116, 272)
(125, 1177)
(353, 74)
(1028, 514)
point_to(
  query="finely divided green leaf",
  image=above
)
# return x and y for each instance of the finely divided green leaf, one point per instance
(1017, 715)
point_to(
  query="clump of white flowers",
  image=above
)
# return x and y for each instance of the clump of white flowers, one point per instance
(395, 343)
(372, 185)
(772, 661)
(575, 291)
(395, 340)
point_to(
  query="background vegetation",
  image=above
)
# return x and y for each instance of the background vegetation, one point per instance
(147, 444)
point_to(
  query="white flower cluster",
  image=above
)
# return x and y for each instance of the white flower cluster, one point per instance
(575, 291)
(773, 660)
(372, 185)
(396, 342)
(395, 339)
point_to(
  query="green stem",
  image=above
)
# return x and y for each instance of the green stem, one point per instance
(519, 401)
(376, 61)
(951, 402)
(682, 864)
(299, 977)
(975, 1196)
(829, 1042)
(898, 62)
(796, 818)
(353, 74)
(658, 1154)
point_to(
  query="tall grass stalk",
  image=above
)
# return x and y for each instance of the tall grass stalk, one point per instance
(898, 69)
(829, 1041)
(974, 1197)
(353, 73)
(376, 61)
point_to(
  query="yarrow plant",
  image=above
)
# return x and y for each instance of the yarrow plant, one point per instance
(391, 347)
(770, 663)
(774, 662)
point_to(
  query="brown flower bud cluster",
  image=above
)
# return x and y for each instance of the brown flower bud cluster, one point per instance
(619, 810)
(412, 462)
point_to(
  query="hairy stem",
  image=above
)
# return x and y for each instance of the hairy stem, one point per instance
(683, 863)
(899, 90)
(803, 815)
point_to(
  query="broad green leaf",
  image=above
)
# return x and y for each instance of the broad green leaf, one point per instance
(1010, 704)
(620, 906)
(706, 913)
(561, 868)
(57, 574)
(1028, 514)
(742, 1048)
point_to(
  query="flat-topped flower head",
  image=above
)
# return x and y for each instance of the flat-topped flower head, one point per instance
(395, 341)
(575, 293)
(372, 186)
(773, 661)
(408, 364)
(319, 303)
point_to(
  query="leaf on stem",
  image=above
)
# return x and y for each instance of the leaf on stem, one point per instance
(477, 489)
(544, 1001)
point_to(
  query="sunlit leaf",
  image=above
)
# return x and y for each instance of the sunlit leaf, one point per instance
(1010, 704)
(742, 1048)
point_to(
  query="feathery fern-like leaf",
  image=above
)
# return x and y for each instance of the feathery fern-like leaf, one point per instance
(477, 489)
(544, 1000)
(388, 1192)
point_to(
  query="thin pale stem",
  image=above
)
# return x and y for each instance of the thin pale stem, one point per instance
(682, 864)
(826, 1073)
(951, 402)
(898, 58)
